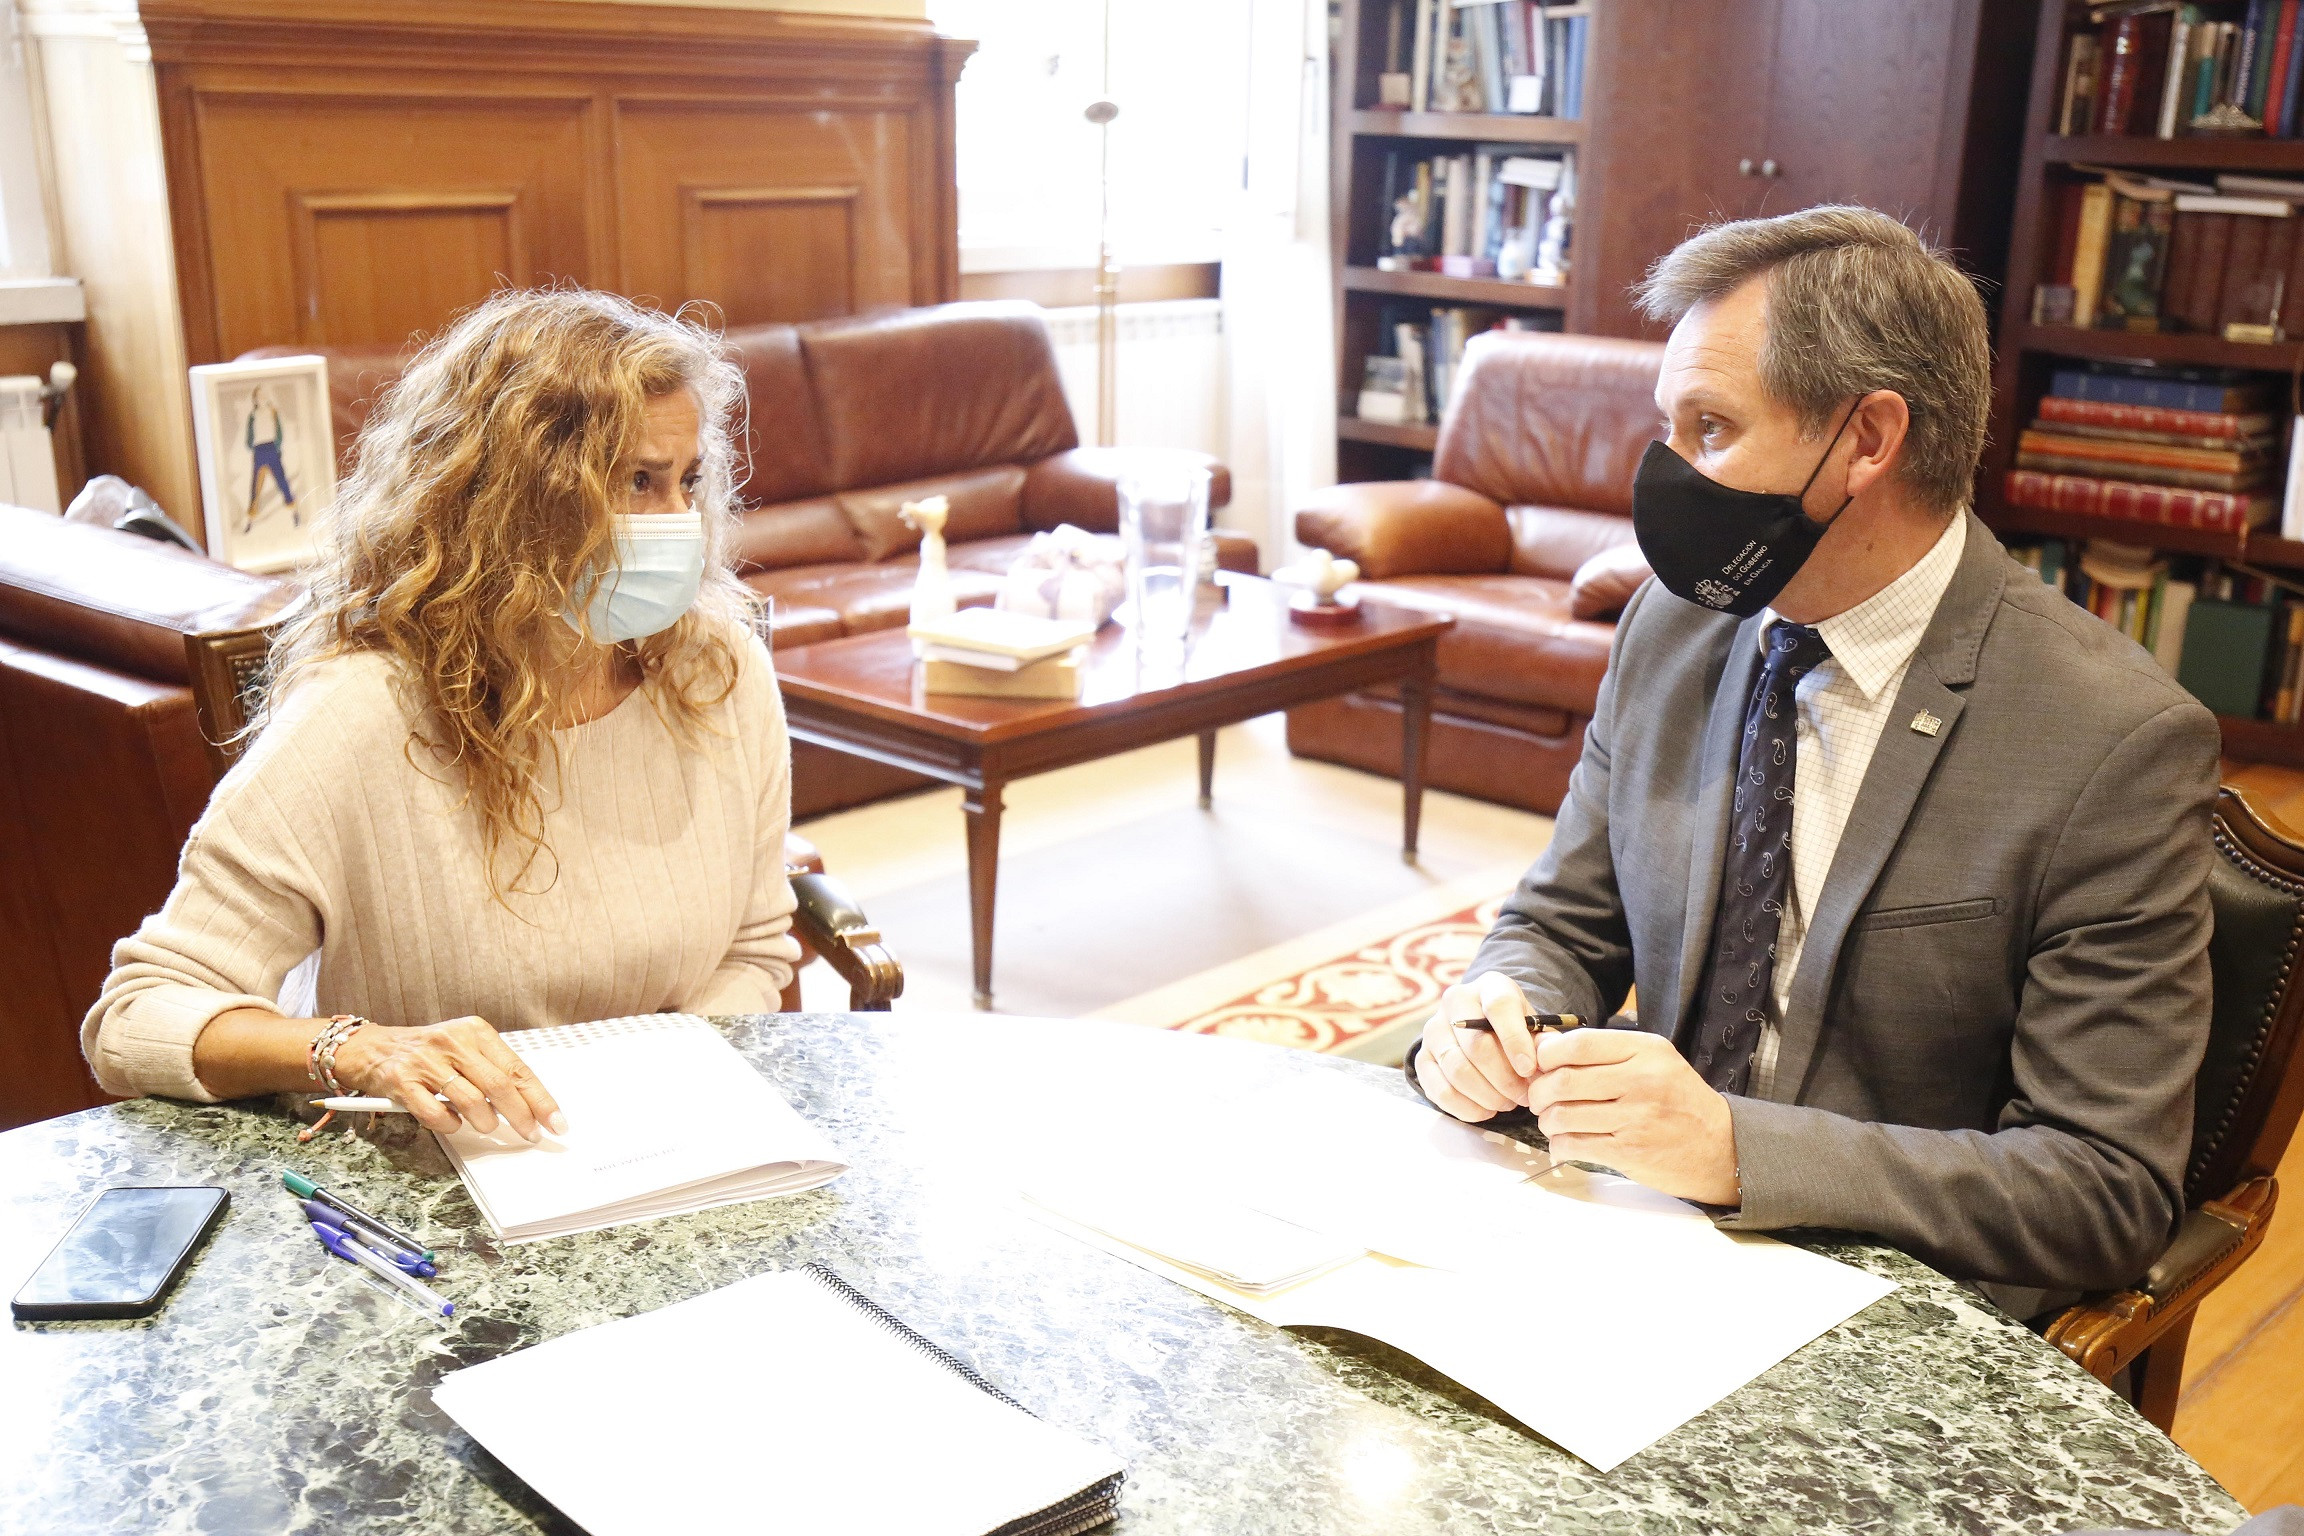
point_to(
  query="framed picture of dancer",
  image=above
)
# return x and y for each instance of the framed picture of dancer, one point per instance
(267, 459)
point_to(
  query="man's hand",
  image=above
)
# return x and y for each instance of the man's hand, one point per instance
(465, 1061)
(1476, 1073)
(1628, 1101)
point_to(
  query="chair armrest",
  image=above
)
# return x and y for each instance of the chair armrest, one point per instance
(830, 922)
(2106, 1332)
(1081, 486)
(1408, 528)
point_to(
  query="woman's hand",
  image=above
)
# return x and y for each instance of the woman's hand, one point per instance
(463, 1060)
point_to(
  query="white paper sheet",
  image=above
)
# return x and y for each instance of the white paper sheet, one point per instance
(771, 1404)
(1598, 1313)
(664, 1116)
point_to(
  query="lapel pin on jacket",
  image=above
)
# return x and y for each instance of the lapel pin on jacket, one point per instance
(1926, 724)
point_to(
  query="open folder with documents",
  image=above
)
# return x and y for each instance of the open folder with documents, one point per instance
(787, 1402)
(664, 1116)
(1597, 1312)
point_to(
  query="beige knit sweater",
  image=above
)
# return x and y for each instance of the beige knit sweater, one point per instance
(328, 853)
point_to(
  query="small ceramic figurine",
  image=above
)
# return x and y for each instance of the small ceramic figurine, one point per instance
(1318, 579)
(1552, 246)
(932, 589)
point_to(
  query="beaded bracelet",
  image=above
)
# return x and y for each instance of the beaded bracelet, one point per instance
(320, 1059)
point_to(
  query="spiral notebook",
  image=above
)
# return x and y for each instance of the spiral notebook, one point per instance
(664, 1117)
(787, 1402)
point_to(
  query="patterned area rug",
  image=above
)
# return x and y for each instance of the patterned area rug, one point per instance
(1363, 995)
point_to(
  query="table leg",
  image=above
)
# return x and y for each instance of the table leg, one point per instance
(1415, 725)
(983, 810)
(1207, 768)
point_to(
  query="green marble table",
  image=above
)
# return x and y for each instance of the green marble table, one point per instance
(281, 1390)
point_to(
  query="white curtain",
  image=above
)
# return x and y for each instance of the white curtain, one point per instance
(1280, 367)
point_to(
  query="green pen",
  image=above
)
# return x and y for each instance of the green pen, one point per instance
(304, 1189)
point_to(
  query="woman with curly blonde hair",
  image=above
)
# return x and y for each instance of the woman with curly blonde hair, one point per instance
(524, 760)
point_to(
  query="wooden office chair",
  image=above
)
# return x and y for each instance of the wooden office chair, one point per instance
(230, 671)
(2245, 1105)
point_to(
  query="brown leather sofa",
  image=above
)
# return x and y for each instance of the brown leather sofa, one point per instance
(102, 769)
(849, 419)
(1524, 534)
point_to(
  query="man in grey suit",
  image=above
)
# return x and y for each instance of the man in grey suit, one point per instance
(1907, 855)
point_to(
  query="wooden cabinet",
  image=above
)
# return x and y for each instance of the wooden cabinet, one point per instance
(1723, 109)
(353, 173)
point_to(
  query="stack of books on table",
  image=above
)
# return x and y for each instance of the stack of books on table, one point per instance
(991, 653)
(2192, 448)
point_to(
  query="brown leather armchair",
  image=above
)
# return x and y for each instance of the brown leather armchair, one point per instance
(115, 652)
(2245, 1105)
(848, 420)
(1524, 534)
(102, 772)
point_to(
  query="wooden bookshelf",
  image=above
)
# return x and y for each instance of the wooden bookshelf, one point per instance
(2196, 349)
(2030, 354)
(1419, 437)
(2073, 525)
(1466, 127)
(1468, 290)
(2251, 156)
(1363, 134)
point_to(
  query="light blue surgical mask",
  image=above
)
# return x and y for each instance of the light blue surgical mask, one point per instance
(658, 568)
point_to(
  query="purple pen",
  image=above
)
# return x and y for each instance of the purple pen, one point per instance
(383, 1247)
(346, 1246)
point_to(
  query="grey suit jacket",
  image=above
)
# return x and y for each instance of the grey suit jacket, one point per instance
(1988, 1053)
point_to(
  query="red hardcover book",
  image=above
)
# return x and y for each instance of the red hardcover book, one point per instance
(2151, 73)
(2136, 502)
(2116, 96)
(2152, 418)
(2282, 36)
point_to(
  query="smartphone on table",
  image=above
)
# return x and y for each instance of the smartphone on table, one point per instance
(124, 1254)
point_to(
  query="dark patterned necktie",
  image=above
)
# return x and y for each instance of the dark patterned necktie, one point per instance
(1742, 975)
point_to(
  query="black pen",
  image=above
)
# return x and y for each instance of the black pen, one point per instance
(1540, 1023)
(304, 1189)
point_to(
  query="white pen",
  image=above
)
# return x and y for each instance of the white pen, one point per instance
(344, 1243)
(367, 1106)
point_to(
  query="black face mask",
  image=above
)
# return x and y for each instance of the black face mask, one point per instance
(1719, 547)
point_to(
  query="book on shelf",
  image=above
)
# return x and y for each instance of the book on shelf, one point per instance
(2121, 458)
(2135, 257)
(2162, 69)
(2292, 500)
(2148, 424)
(2231, 637)
(1512, 57)
(2208, 390)
(1429, 344)
(2137, 501)
(1484, 212)
(2155, 253)
(1384, 390)
(2228, 653)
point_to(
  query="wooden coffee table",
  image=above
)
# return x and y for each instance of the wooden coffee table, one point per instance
(862, 694)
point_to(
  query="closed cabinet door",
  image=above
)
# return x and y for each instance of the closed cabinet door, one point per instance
(1683, 87)
(1866, 92)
